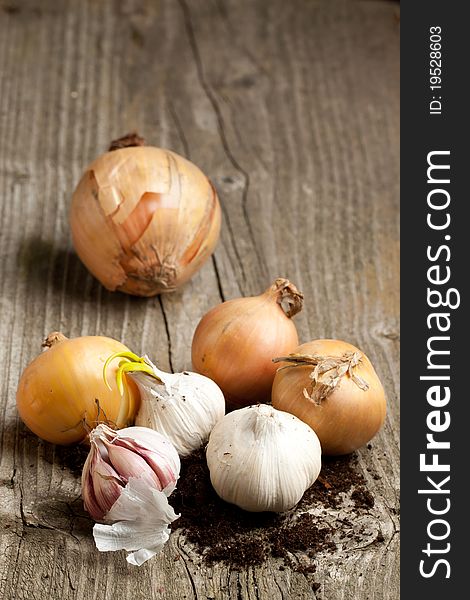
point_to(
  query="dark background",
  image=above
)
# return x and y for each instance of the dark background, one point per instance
(420, 134)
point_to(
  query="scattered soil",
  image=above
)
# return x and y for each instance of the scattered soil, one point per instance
(223, 532)
(71, 458)
(337, 478)
(362, 498)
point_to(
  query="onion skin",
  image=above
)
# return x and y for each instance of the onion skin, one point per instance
(235, 342)
(144, 219)
(58, 391)
(349, 416)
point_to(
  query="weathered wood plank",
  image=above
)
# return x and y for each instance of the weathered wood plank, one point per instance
(292, 110)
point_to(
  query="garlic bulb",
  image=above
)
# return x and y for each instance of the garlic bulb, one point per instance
(262, 459)
(126, 480)
(182, 406)
(143, 219)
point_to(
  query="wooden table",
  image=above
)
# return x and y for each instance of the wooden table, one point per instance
(292, 110)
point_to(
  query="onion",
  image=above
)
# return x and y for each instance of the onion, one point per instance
(143, 219)
(235, 342)
(333, 387)
(62, 394)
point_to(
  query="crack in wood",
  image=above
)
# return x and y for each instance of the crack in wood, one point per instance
(279, 588)
(183, 557)
(217, 276)
(239, 587)
(223, 137)
(70, 581)
(167, 330)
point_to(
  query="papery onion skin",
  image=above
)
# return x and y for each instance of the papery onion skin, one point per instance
(62, 395)
(349, 416)
(235, 342)
(144, 219)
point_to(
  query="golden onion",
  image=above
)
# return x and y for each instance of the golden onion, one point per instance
(62, 394)
(144, 219)
(235, 342)
(332, 386)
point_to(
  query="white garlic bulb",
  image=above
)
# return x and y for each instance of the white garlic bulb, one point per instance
(184, 407)
(263, 459)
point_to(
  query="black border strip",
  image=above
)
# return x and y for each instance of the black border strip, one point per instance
(424, 246)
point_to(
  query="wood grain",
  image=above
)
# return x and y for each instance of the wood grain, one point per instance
(292, 110)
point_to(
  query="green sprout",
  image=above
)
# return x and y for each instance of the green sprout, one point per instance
(130, 363)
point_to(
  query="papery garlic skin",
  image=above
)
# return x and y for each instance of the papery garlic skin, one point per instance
(262, 459)
(140, 518)
(116, 456)
(144, 219)
(182, 406)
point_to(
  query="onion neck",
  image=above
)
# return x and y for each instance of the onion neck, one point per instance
(54, 338)
(289, 298)
(327, 372)
(127, 141)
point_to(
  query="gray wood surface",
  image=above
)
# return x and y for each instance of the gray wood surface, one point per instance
(292, 110)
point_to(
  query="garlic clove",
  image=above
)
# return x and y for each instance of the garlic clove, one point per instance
(156, 449)
(107, 485)
(183, 406)
(140, 519)
(88, 494)
(130, 464)
(165, 474)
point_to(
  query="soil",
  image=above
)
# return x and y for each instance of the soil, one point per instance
(222, 532)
